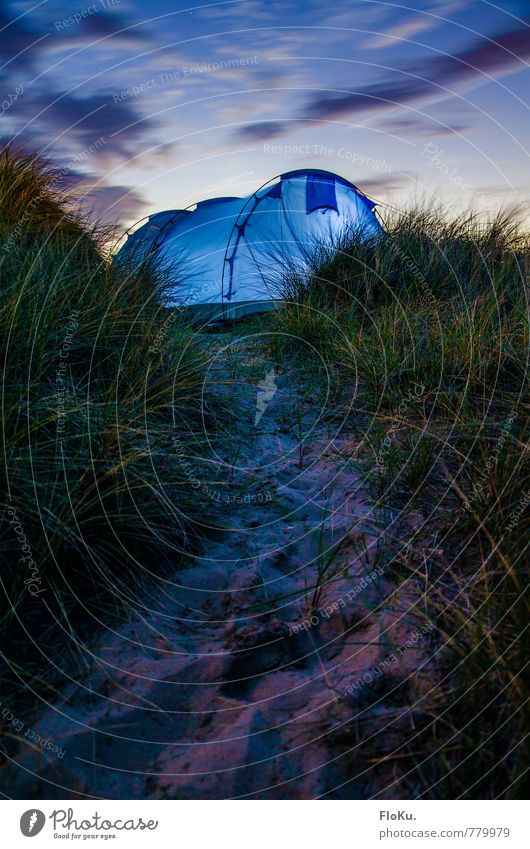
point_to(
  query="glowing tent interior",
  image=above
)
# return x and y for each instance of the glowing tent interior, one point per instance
(229, 253)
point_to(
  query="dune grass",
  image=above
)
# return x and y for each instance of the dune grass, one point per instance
(97, 380)
(427, 328)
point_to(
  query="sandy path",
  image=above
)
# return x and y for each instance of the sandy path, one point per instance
(231, 681)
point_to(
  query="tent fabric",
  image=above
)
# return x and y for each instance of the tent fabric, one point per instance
(228, 250)
(320, 193)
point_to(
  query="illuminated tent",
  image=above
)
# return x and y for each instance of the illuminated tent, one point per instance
(230, 253)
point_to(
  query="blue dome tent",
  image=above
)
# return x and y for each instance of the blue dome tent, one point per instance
(228, 254)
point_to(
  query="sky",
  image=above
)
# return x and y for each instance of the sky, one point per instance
(158, 105)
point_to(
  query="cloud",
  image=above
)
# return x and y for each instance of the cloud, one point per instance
(19, 43)
(89, 118)
(99, 25)
(421, 20)
(388, 183)
(419, 128)
(262, 130)
(401, 31)
(82, 121)
(500, 53)
(495, 55)
(104, 203)
(24, 38)
(114, 204)
(332, 105)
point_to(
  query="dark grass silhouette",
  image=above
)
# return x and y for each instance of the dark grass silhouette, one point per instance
(93, 387)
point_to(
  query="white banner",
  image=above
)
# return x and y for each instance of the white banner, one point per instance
(255, 825)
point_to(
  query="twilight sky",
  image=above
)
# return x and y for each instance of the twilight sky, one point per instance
(156, 105)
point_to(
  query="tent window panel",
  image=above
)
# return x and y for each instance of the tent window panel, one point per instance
(275, 192)
(320, 193)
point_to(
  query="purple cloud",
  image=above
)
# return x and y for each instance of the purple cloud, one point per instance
(81, 120)
(409, 84)
(262, 130)
(18, 41)
(110, 204)
(501, 53)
